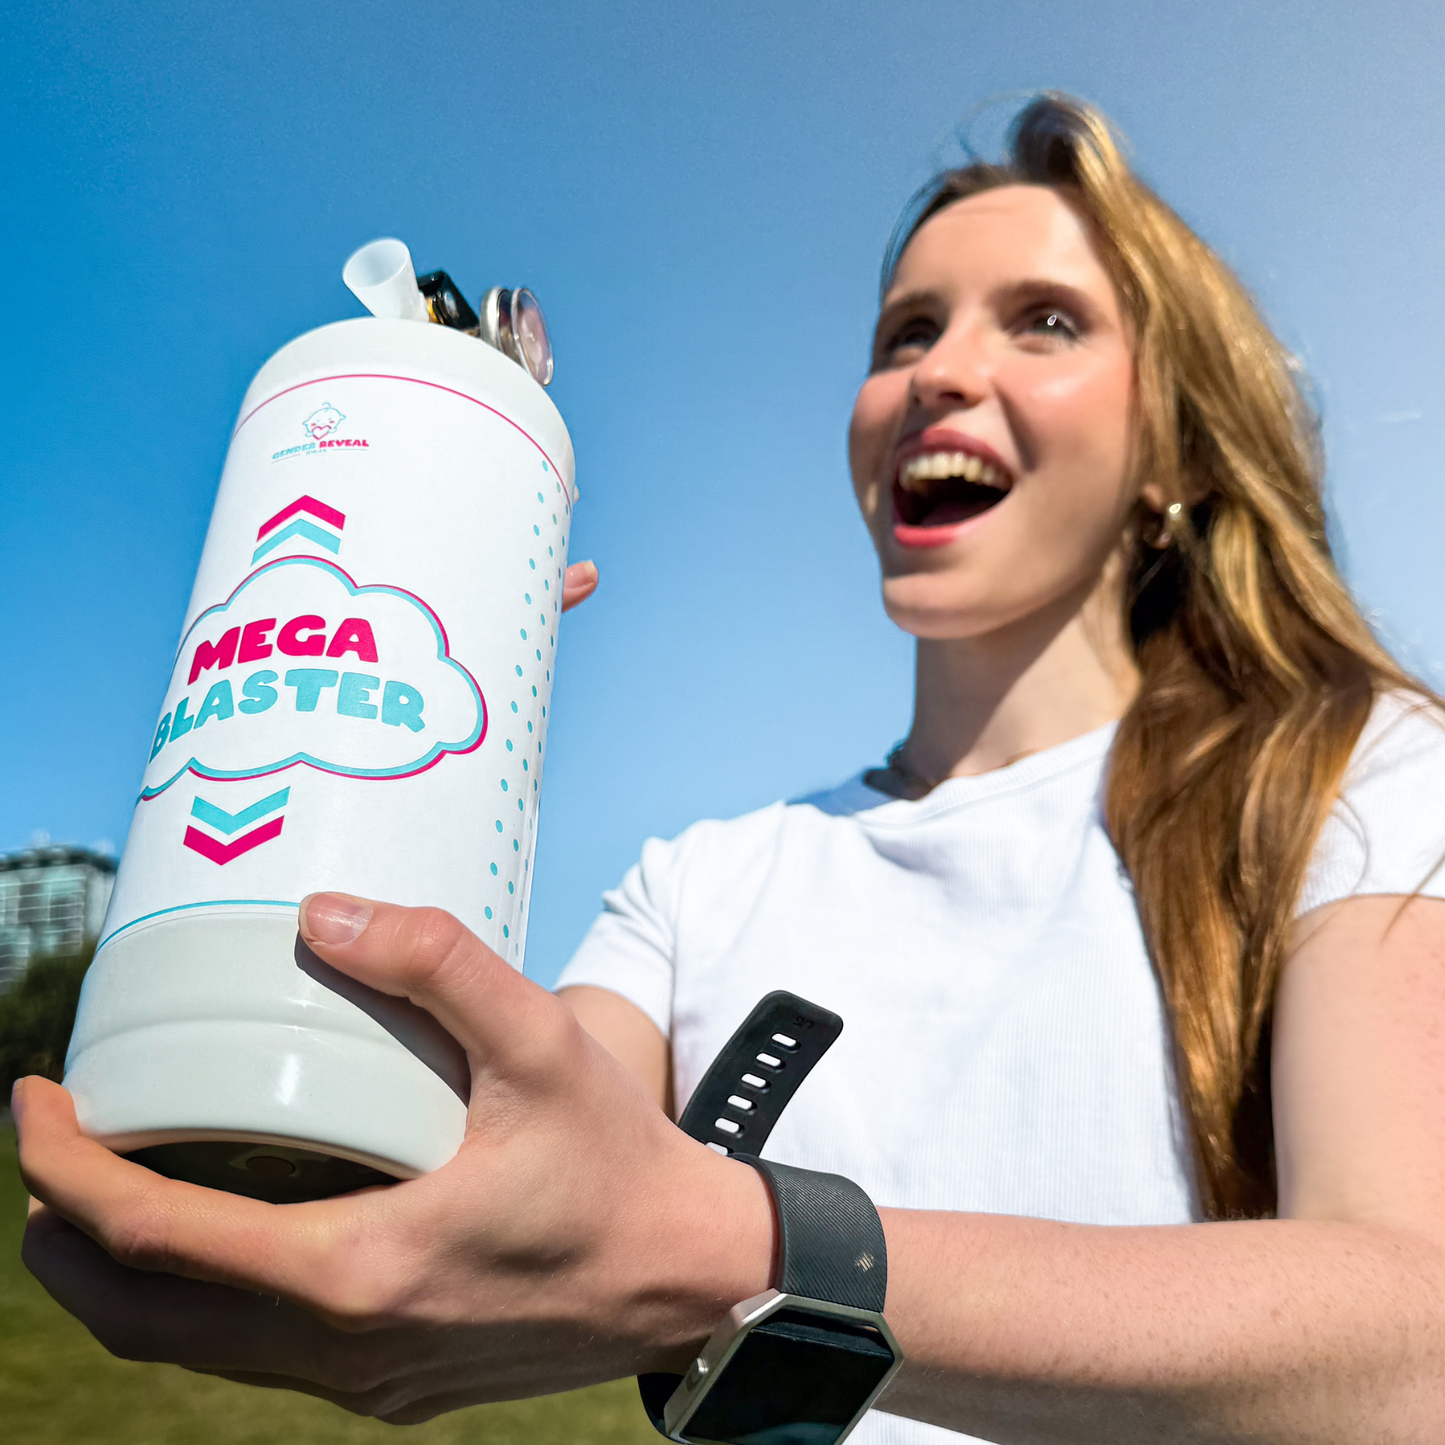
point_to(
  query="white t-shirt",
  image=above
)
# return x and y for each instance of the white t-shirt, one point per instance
(1004, 1046)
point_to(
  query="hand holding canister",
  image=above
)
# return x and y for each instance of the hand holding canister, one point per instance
(576, 1236)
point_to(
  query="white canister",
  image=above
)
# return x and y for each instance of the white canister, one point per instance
(359, 702)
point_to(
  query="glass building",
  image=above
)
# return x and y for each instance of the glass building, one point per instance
(52, 901)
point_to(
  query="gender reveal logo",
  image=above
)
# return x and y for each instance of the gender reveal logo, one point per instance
(320, 430)
(322, 422)
(302, 666)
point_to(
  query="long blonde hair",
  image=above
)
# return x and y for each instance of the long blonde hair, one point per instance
(1258, 671)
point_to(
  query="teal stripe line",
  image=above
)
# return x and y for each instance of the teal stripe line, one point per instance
(209, 903)
(230, 823)
(299, 528)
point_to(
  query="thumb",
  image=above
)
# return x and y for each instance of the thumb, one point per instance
(426, 955)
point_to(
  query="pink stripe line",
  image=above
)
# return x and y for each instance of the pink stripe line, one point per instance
(415, 381)
(223, 853)
(304, 504)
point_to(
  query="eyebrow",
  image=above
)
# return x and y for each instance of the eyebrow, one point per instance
(1017, 293)
(1044, 289)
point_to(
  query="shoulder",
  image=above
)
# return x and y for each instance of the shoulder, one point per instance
(1396, 773)
(1386, 833)
(1404, 730)
(697, 886)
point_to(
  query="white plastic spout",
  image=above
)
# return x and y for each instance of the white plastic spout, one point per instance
(381, 277)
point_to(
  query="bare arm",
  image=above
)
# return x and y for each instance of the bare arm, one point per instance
(1323, 1325)
(628, 1035)
(1327, 1324)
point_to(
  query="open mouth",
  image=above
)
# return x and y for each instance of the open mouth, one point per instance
(942, 489)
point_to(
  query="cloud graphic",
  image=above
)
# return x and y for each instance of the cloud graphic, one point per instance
(300, 665)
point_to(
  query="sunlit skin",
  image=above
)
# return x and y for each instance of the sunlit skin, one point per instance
(1001, 333)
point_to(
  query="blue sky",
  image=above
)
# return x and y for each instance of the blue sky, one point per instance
(699, 193)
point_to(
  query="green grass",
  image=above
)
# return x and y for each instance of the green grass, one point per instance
(59, 1387)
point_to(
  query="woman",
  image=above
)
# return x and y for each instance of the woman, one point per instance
(1140, 927)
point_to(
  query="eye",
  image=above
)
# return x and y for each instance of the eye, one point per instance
(905, 341)
(1053, 322)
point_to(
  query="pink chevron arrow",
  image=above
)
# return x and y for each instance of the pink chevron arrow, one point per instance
(304, 504)
(223, 853)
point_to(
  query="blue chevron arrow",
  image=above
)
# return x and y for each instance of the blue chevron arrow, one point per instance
(229, 823)
(299, 528)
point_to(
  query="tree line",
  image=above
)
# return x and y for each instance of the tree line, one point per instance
(36, 1017)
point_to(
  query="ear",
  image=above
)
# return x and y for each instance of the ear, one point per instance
(1152, 496)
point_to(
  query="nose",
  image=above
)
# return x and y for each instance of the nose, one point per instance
(956, 371)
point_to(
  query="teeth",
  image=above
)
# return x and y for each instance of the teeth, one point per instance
(916, 472)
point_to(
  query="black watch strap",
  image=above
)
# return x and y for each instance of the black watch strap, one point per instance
(831, 1243)
(830, 1239)
(750, 1082)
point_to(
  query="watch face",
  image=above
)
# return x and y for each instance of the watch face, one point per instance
(792, 1381)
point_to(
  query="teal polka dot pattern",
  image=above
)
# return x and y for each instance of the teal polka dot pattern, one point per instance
(522, 679)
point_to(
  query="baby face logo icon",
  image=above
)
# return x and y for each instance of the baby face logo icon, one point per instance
(322, 422)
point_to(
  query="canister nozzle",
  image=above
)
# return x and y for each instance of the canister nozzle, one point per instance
(381, 277)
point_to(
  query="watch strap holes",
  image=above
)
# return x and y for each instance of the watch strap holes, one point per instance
(719, 1148)
(728, 1126)
(751, 1080)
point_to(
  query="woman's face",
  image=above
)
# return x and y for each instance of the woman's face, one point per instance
(990, 444)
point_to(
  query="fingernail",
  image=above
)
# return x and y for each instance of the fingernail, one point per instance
(17, 1094)
(333, 917)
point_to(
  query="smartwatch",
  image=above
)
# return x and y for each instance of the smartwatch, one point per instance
(801, 1363)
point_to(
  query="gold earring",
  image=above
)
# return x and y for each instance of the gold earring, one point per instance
(1164, 536)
